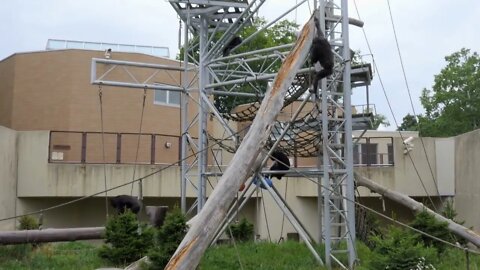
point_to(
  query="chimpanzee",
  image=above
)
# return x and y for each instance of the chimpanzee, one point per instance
(321, 52)
(280, 163)
(232, 44)
(123, 202)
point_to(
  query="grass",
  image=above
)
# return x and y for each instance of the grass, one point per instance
(264, 256)
(73, 255)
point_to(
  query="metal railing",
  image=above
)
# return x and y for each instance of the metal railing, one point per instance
(114, 148)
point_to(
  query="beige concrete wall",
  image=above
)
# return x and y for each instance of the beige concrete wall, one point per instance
(8, 176)
(467, 184)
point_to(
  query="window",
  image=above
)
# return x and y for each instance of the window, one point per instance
(369, 153)
(390, 153)
(166, 97)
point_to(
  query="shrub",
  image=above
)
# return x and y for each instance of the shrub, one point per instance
(168, 238)
(242, 231)
(427, 223)
(398, 250)
(28, 223)
(127, 239)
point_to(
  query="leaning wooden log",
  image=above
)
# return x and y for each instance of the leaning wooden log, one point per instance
(50, 235)
(418, 207)
(198, 238)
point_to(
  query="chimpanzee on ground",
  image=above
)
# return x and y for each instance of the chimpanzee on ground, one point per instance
(280, 163)
(123, 202)
(232, 44)
(321, 52)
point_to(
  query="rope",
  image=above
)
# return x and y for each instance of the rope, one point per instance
(140, 196)
(283, 215)
(410, 96)
(100, 95)
(265, 214)
(391, 111)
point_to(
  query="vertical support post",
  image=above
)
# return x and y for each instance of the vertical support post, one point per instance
(119, 148)
(83, 158)
(202, 123)
(184, 122)
(347, 92)
(152, 148)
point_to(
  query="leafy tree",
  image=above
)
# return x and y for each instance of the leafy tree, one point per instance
(242, 231)
(126, 239)
(379, 119)
(409, 123)
(168, 238)
(399, 250)
(427, 223)
(283, 32)
(452, 106)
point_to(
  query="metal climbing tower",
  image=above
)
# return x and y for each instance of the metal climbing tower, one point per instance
(241, 79)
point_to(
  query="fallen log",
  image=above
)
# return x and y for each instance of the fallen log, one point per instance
(418, 207)
(51, 235)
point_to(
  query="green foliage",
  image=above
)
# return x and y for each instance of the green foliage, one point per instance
(283, 32)
(28, 223)
(399, 250)
(61, 256)
(263, 255)
(168, 238)
(409, 123)
(242, 231)
(452, 106)
(127, 239)
(427, 223)
(379, 119)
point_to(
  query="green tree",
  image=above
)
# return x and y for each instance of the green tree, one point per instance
(127, 240)
(452, 106)
(283, 32)
(409, 123)
(379, 119)
(427, 223)
(241, 231)
(168, 237)
(399, 250)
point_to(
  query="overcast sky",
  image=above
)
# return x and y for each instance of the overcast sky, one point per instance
(427, 30)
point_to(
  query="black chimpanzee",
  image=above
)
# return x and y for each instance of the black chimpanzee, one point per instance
(321, 52)
(280, 163)
(232, 44)
(123, 202)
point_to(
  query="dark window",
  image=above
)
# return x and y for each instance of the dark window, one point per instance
(369, 153)
(390, 153)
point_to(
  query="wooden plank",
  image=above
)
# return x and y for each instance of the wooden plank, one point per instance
(198, 238)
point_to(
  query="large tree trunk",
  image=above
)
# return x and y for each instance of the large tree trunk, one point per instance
(198, 238)
(417, 207)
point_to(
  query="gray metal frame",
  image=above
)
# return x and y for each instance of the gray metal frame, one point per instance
(218, 75)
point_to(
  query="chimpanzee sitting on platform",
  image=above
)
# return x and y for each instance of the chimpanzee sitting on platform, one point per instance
(123, 202)
(280, 163)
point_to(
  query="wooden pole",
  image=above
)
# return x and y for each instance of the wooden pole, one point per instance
(50, 235)
(198, 238)
(418, 207)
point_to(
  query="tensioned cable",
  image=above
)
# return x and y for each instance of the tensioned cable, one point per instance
(383, 215)
(410, 95)
(140, 196)
(265, 214)
(391, 110)
(100, 95)
(121, 185)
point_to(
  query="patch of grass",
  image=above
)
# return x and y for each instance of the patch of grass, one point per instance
(72, 255)
(288, 255)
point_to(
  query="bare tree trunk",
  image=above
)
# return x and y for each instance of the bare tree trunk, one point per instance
(417, 207)
(50, 235)
(198, 238)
